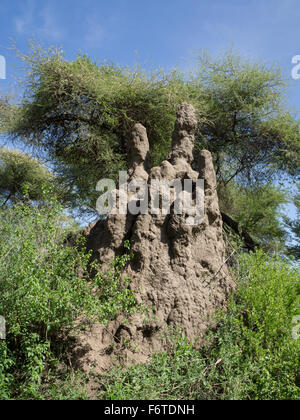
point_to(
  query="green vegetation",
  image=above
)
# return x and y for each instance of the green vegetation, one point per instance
(22, 176)
(76, 117)
(44, 288)
(294, 226)
(251, 353)
(259, 210)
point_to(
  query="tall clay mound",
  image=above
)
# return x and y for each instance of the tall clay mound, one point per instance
(178, 269)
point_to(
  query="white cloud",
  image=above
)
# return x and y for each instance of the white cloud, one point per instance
(41, 23)
(49, 26)
(95, 35)
(25, 19)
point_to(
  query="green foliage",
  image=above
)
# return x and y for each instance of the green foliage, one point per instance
(173, 375)
(22, 177)
(251, 353)
(45, 287)
(113, 290)
(260, 358)
(258, 210)
(81, 114)
(63, 385)
(248, 129)
(294, 226)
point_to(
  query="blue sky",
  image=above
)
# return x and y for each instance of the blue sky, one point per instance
(162, 33)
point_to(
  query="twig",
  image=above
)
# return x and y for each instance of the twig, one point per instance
(223, 264)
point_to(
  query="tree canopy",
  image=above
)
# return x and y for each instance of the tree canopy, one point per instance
(294, 226)
(22, 177)
(258, 210)
(79, 115)
(249, 129)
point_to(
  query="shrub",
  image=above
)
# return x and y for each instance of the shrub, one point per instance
(251, 354)
(44, 288)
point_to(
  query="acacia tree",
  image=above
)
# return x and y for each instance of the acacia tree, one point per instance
(294, 227)
(251, 134)
(257, 210)
(23, 178)
(80, 114)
